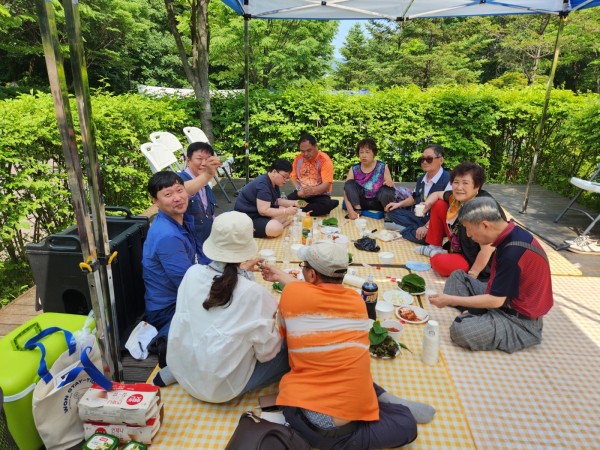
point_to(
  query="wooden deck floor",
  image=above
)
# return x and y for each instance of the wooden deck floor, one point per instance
(543, 208)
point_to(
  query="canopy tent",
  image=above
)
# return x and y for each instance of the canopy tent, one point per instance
(402, 10)
(398, 9)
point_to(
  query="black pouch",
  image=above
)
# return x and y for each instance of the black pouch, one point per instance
(367, 244)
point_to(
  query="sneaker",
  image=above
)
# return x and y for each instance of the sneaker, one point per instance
(585, 245)
(428, 250)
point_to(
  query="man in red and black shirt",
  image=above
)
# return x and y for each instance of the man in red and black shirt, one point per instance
(506, 312)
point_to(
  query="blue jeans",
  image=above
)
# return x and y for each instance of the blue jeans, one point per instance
(410, 222)
(396, 427)
(268, 372)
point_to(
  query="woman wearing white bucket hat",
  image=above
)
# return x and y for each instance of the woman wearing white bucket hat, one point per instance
(224, 340)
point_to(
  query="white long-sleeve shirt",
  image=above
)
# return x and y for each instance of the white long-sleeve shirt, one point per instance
(212, 353)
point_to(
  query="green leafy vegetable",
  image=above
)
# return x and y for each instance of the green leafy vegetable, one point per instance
(388, 348)
(350, 256)
(277, 286)
(412, 283)
(301, 203)
(377, 333)
(331, 222)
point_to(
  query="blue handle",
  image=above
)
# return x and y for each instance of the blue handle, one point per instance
(89, 367)
(43, 371)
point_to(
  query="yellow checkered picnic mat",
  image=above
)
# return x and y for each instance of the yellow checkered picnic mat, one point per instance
(189, 423)
(542, 397)
(402, 249)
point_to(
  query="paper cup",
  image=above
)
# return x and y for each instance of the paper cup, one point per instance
(420, 210)
(384, 310)
(266, 253)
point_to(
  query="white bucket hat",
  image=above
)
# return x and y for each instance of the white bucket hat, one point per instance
(231, 238)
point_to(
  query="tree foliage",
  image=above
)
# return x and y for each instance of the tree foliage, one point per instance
(282, 53)
(460, 51)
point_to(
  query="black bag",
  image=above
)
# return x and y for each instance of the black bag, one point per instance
(254, 433)
(367, 244)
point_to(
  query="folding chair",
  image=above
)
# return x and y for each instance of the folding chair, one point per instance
(583, 185)
(159, 157)
(171, 142)
(194, 134)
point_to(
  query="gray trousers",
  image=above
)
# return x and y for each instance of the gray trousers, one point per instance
(489, 329)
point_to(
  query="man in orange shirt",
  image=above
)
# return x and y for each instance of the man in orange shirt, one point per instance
(312, 177)
(329, 396)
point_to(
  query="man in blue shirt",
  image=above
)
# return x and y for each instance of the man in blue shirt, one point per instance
(401, 215)
(200, 160)
(171, 248)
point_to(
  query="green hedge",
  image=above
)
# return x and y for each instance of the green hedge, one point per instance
(492, 126)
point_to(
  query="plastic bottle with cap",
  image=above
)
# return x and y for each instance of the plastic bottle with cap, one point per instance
(431, 343)
(306, 227)
(287, 251)
(369, 294)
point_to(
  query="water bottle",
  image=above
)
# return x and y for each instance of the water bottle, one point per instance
(431, 343)
(287, 251)
(295, 231)
(369, 295)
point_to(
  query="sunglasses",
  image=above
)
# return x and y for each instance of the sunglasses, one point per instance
(304, 265)
(427, 159)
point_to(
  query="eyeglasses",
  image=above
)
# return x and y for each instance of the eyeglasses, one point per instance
(428, 159)
(285, 177)
(304, 265)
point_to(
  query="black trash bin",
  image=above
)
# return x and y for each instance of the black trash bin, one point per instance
(62, 287)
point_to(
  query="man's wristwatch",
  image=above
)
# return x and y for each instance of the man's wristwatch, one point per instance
(298, 188)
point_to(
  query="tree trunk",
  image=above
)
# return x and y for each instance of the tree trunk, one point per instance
(197, 72)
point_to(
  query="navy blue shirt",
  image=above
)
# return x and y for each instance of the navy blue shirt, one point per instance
(260, 188)
(169, 251)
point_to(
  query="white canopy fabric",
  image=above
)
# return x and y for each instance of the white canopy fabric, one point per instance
(398, 9)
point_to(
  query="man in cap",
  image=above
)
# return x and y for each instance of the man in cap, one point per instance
(329, 396)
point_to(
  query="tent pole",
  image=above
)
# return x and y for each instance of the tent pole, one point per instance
(247, 95)
(563, 19)
(95, 186)
(60, 96)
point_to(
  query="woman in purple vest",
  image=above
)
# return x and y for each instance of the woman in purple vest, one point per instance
(369, 183)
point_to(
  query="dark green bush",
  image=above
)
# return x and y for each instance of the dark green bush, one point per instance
(495, 127)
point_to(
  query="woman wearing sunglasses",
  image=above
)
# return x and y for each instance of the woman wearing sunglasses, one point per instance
(369, 183)
(463, 253)
(401, 215)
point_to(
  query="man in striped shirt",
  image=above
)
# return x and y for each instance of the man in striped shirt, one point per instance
(329, 396)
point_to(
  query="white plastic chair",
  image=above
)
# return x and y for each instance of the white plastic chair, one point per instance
(195, 134)
(171, 142)
(583, 185)
(159, 157)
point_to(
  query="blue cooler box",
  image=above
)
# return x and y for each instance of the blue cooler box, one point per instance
(18, 371)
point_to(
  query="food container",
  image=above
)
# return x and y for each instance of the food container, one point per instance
(360, 223)
(134, 445)
(386, 257)
(265, 253)
(384, 310)
(295, 248)
(101, 441)
(392, 325)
